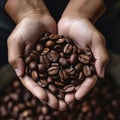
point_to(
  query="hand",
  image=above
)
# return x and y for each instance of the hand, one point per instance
(87, 38)
(20, 42)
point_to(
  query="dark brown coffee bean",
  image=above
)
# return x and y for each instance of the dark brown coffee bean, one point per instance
(45, 51)
(52, 88)
(64, 62)
(34, 56)
(63, 75)
(80, 51)
(62, 54)
(49, 44)
(92, 68)
(41, 68)
(53, 37)
(33, 65)
(53, 56)
(75, 49)
(79, 67)
(44, 60)
(42, 75)
(59, 84)
(84, 58)
(34, 75)
(81, 76)
(44, 39)
(42, 83)
(68, 48)
(50, 79)
(60, 41)
(28, 59)
(39, 48)
(71, 71)
(73, 59)
(58, 48)
(53, 70)
(61, 94)
(55, 64)
(47, 34)
(86, 71)
(69, 88)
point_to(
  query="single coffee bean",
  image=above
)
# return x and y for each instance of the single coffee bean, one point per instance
(47, 34)
(34, 56)
(81, 76)
(73, 59)
(58, 48)
(67, 49)
(63, 75)
(55, 64)
(53, 70)
(53, 56)
(44, 60)
(64, 62)
(49, 44)
(62, 54)
(42, 75)
(42, 83)
(44, 39)
(45, 51)
(75, 49)
(92, 68)
(69, 88)
(52, 88)
(39, 48)
(53, 37)
(79, 67)
(60, 41)
(34, 75)
(71, 71)
(28, 59)
(61, 94)
(86, 71)
(59, 84)
(41, 68)
(84, 58)
(50, 79)
(33, 65)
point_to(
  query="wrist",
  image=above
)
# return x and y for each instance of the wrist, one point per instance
(19, 9)
(88, 9)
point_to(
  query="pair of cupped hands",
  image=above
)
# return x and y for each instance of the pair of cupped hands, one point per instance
(83, 33)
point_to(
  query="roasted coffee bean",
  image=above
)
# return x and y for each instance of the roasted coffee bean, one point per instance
(52, 88)
(39, 48)
(50, 79)
(55, 64)
(84, 58)
(41, 68)
(71, 71)
(60, 41)
(42, 83)
(59, 84)
(47, 34)
(63, 75)
(42, 75)
(86, 71)
(58, 48)
(53, 56)
(33, 65)
(64, 62)
(53, 70)
(67, 49)
(49, 44)
(44, 60)
(53, 37)
(69, 88)
(28, 59)
(34, 75)
(79, 67)
(44, 39)
(73, 59)
(62, 54)
(81, 76)
(61, 94)
(75, 49)
(45, 51)
(34, 56)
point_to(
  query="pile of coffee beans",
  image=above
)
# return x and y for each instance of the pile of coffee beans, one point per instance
(16, 103)
(58, 65)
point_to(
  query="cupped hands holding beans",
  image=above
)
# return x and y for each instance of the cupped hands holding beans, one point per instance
(52, 67)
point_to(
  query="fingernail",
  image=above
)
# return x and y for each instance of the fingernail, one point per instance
(102, 72)
(17, 72)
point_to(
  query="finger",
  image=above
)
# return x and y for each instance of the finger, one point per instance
(69, 98)
(85, 87)
(62, 105)
(100, 54)
(52, 101)
(15, 51)
(34, 88)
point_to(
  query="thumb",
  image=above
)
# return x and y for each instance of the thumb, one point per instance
(15, 52)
